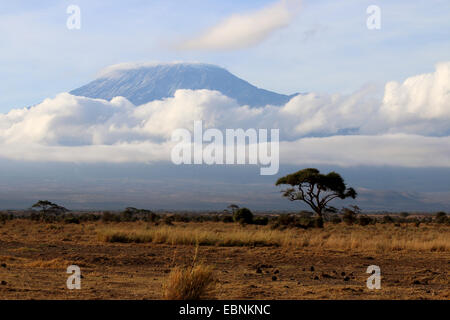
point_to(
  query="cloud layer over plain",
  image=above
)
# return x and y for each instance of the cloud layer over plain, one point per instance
(409, 125)
(245, 30)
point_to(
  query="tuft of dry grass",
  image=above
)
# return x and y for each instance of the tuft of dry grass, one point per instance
(189, 283)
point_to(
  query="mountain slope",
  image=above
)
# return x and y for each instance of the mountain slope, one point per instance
(143, 83)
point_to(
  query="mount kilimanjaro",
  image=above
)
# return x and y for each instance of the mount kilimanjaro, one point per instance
(142, 83)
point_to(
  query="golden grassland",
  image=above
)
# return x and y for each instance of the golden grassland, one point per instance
(141, 260)
(379, 238)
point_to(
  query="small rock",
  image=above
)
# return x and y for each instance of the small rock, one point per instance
(274, 278)
(3, 283)
(258, 270)
(3, 265)
(346, 279)
(312, 268)
(276, 271)
(342, 273)
(316, 278)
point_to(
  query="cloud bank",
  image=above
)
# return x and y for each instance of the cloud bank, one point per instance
(408, 125)
(245, 30)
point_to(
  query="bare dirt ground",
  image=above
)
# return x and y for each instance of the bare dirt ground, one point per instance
(34, 257)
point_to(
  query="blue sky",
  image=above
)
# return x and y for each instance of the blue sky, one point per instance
(325, 48)
(388, 89)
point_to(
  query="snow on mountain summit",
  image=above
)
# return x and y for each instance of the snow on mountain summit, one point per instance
(144, 82)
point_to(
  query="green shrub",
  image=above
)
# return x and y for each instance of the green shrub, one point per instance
(262, 221)
(364, 220)
(335, 219)
(243, 215)
(404, 214)
(227, 219)
(110, 217)
(71, 219)
(350, 215)
(441, 217)
(168, 220)
(292, 221)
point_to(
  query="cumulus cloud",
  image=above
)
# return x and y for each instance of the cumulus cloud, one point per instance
(244, 30)
(420, 104)
(407, 125)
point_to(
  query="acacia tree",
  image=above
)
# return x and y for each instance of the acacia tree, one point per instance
(316, 189)
(48, 207)
(233, 207)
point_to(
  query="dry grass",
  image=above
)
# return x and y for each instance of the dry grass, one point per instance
(189, 283)
(414, 261)
(376, 238)
(56, 263)
(380, 238)
(193, 235)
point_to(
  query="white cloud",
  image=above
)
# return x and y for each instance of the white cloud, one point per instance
(244, 30)
(408, 126)
(404, 150)
(420, 104)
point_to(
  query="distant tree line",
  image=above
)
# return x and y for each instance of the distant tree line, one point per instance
(51, 213)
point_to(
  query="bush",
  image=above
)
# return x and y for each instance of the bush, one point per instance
(291, 221)
(168, 220)
(318, 222)
(262, 221)
(404, 214)
(364, 220)
(71, 219)
(335, 219)
(441, 214)
(306, 214)
(441, 217)
(388, 219)
(4, 217)
(427, 219)
(227, 219)
(350, 215)
(89, 217)
(151, 217)
(110, 217)
(243, 215)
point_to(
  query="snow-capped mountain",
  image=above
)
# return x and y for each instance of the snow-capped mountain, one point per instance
(141, 83)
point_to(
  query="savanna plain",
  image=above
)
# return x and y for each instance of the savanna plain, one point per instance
(213, 259)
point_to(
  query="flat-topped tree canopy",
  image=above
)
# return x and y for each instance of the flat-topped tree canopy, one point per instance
(315, 189)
